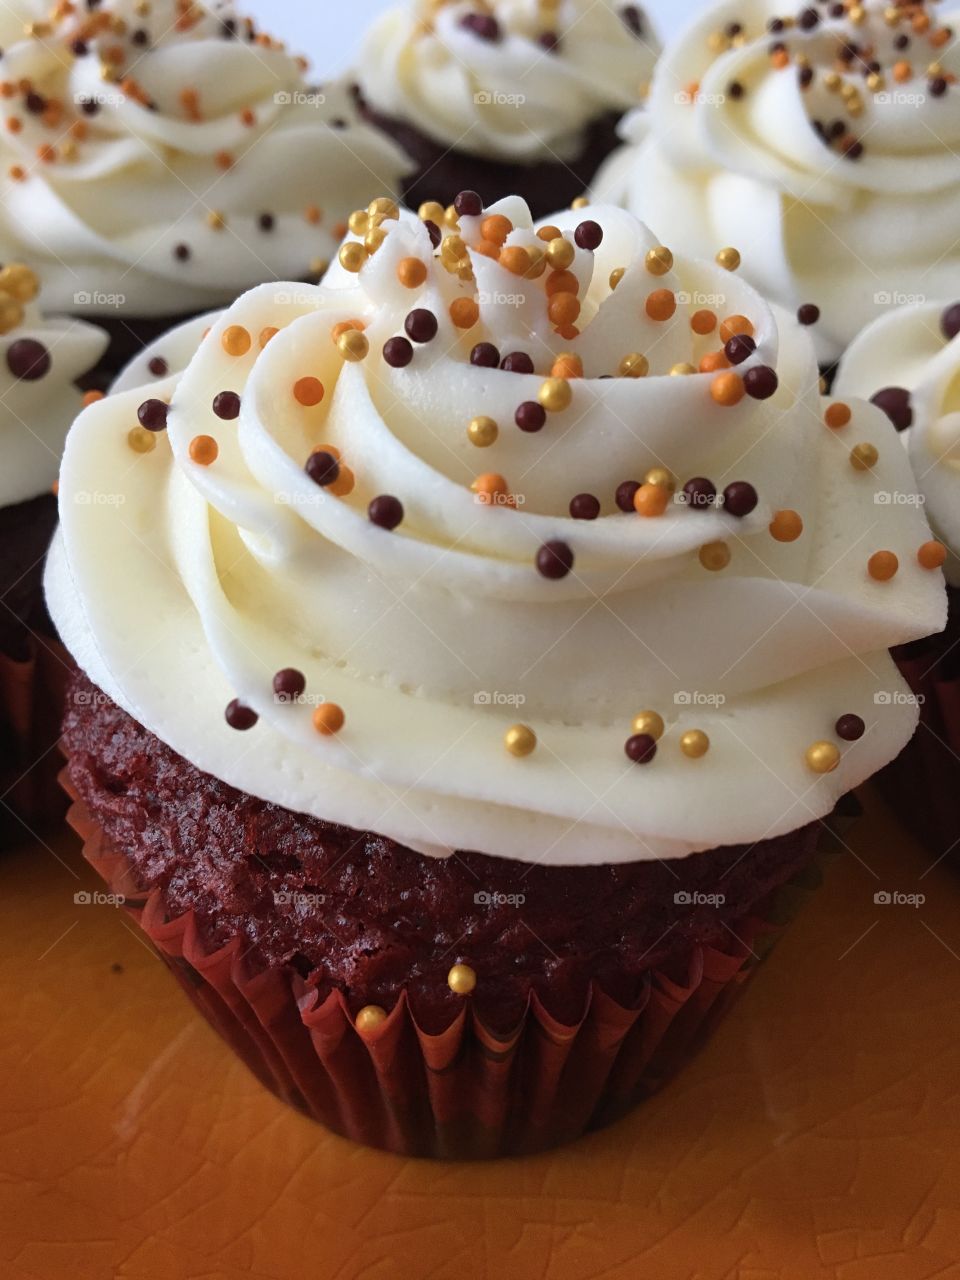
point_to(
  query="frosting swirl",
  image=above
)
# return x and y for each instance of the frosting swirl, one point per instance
(363, 499)
(160, 164)
(826, 142)
(40, 360)
(909, 360)
(518, 80)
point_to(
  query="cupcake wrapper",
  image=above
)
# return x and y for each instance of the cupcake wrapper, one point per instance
(468, 1092)
(32, 695)
(923, 784)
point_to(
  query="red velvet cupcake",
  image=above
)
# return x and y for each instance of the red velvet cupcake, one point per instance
(463, 702)
(908, 362)
(503, 97)
(40, 363)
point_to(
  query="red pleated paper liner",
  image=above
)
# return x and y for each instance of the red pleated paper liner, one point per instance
(468, 1092)
(923, 783)
(32, 694)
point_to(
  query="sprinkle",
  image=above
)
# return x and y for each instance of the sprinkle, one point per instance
(562, 282)
(563, 309)
(640, 748)
(727, 389)
(226, 405)
(352, 256)
(567, 365)
(461, 979)
(421, 325)
(158, 367)
(584, 507)
(515, 259)
(661, 304)
(235, 340)
(549, 232)
(482, 432)
(714, 556)
(289, 684)
(496, 228)
(659, 260)
(370, 1017)
(703, 322)
(520, 740)
(308, 391)
(734, 326)
(468, 205)
(682, 370)
(694, 744)
(517, 362)
(141, 440)
(485, 355)
(650, 723)
(353, 345)
(203, 450)
(626, 492)
(786, 526)
(555, 395)
(328, 718)
(91, 397)
(700, 492)
(896, 404)
(266, 335)
(882, 566)
(323, 467)
(739, 348)
(808, 313)
(397, 352)
(385, 511)
(950, 321)
(560, 253)
(863, 457)
(837, 415)
(739, 498)
(931, 555)
(822, 757)
(633, 365)
(651, 500)
(491, 489)
(589, 235)
(729, 259)
(530, 416)
(239, 716)
(464, 312)
(554, 560)
(850, 728)
(761, 382)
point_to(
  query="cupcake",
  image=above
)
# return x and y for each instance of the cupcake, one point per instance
(488, 634)
(509, 96)
(823, 142)
(908, 363)
(158, 161)
(41, 361)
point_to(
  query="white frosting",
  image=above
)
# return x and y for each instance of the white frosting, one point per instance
(752, 171)
(510, 98)
(202, 582)
(36, 414)
(907, 348)
(103, 221)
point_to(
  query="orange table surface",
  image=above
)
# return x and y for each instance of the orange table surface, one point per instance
(817, 1135)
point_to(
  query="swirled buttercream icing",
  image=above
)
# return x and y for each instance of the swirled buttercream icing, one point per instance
(824, 139)
(908, 362)
(40, 360)
(160, 160)
(532, 540)
(512, 79)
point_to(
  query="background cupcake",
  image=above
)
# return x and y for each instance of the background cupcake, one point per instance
(515, 95)
(908, 362)
(823, 142)
(533, 543)
(40, 363)
(156, 162)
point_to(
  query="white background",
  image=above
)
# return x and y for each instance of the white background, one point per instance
(329, 31)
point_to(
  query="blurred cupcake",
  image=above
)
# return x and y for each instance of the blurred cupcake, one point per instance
(40, 363)
(908, 363)
(158, 160)
(824, 142)
(504, 634)
(507, 96)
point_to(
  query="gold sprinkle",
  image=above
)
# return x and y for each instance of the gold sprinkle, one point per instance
(520, 740)
(694, 744)
(461, 979)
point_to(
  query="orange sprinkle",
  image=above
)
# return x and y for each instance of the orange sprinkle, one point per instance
(248, 117)
(46, 153)
(489, 486)
(780, 59)
(661, 304)
(727, 389)
(464, 312)
(496, 227)
(7, 89)
(703, 322)
(79, 130)
(344, 483)
(114, 55)
(692, 91)
(52, 114)
(14, 125)
(932, 555)
(549, 232)
(568, 331)
(902, 72)
(332, 449)
(342, 327)
(235, 340)
(308, 391)
(651, 500)
(713, 362)
(563, 308)
(562, 282)
(224, 160)
(786, 526)
(940, 37)
(328, 718)
(882, 565)
(489, 249)
(735, 325)
(921, 23)
(312, 214)
(837, 415)
(339, 230)
(567, 366)
(266, 334)
(411, 272)
(515, 259)
(203, 450)
(91, 397)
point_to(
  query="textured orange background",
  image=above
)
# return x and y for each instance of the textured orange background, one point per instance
(817, 1136)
